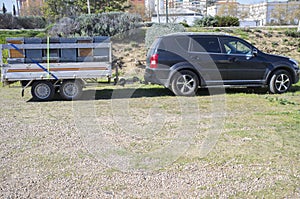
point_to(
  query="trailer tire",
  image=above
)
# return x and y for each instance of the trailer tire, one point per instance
(42, 90)
(71, 90)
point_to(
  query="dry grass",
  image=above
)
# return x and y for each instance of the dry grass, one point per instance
(147, 143)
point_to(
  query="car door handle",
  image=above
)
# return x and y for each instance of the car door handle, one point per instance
(194, 57)
(232, 59)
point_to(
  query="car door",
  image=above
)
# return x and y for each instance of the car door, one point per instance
(241, 64)
(205, 53)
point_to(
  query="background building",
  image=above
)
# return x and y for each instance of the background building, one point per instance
(266, 13)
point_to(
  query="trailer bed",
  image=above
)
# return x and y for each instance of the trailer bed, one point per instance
(48, 66)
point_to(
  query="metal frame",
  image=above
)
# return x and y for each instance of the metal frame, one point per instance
(67, 74)
(57, 46)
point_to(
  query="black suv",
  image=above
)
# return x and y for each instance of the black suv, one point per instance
(185, 61)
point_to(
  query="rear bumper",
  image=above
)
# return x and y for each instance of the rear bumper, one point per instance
(157, 76)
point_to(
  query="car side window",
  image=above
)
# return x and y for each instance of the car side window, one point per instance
(183, 42)
(205, 44)
(235, 46)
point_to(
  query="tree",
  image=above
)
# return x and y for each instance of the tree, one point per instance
(14, 10)
(35, 8)
(279, 14)
(57, 9)
(298, 25)
(228, 9)
(4, 10)
(293, 14)
(138, 9)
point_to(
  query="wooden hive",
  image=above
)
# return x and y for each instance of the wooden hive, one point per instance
(85, 52)
(13, 53)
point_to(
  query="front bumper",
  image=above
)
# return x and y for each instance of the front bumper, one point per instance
(297, 76)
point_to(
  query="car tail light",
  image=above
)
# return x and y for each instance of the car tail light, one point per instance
(154, 61)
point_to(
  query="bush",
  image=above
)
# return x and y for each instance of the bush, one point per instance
(184, 23)
(217, 21)
(227, 21)
(32, 22)
(66, 27)
(291, 33)
(104, 24)
(208, 21)
(161, 29)
(7, 21)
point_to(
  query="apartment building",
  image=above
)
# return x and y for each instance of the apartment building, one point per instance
(273, 12)
(30, 7)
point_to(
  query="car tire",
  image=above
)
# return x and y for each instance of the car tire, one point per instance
(185, 83)
(280, 82)
(42, 90)
(70, 90)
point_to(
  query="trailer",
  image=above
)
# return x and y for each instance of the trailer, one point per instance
(53, 65)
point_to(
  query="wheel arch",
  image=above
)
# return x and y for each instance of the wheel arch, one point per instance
(183, 66)
(286, 68)
(65, 94)
(79, 80)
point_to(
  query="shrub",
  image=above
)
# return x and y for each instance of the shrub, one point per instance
(184, 23)
(32, 22)
(64, 28)
(292, 33)
(105, 24)
(7, 21)
(217, 21)
(161, 29)
(227, 21)
(208, 21)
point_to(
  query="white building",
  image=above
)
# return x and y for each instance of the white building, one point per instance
(177, 15)
(260, 14)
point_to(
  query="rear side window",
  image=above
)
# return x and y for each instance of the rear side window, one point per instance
(183, 42)
(205, 44)
(153, 47)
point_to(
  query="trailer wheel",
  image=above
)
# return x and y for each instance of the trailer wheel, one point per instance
(70, 90)
(42, 90)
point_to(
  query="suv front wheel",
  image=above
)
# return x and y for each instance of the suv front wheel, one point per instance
(185, 83)
(280, 82)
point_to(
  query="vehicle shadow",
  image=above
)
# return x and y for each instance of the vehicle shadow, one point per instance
(121, 93)
(125, 93)
(259, 91)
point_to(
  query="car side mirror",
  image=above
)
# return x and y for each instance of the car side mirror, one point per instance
(254, 52)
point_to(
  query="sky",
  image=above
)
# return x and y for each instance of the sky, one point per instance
(9, 3)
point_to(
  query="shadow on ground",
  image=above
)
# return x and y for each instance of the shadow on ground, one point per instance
(125, 93)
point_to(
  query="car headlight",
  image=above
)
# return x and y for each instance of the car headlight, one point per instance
(295, 63)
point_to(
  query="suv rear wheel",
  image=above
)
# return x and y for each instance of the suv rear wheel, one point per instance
(185, 83)
(280, 82)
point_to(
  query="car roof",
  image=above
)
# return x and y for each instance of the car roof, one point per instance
(197, 34)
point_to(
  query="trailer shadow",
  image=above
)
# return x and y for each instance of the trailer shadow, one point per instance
(125, 93)
(107, 94)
